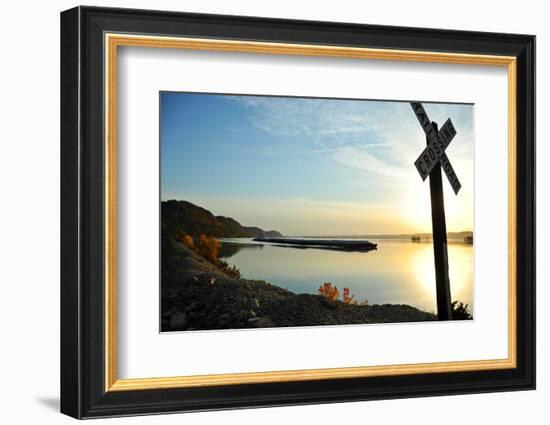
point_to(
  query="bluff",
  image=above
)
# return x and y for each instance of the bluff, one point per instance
(185, 217)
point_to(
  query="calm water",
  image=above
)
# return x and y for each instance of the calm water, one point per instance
(398, 272)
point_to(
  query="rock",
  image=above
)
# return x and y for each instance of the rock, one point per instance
(329, 303)
(261, 322)
(168, 313)
(224, 319)
(178, 320)
(191, 307)
(242, 315)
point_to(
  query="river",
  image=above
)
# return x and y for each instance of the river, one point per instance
(398, 272)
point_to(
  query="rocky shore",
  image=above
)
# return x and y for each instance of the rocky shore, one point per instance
(196, 295)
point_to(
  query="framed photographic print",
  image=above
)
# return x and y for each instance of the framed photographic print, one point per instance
(261, 212)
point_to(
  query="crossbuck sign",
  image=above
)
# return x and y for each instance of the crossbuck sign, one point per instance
(434, 153)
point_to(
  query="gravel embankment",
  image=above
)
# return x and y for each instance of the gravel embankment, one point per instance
(197, 295)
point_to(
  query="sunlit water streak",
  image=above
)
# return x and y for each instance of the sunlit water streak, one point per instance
(398, 272)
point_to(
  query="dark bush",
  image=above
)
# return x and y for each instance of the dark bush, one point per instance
(460, 311)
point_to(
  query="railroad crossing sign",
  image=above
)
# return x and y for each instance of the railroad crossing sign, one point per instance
(427, 164)
(435, 151)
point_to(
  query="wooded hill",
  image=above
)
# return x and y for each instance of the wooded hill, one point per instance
(184, 217)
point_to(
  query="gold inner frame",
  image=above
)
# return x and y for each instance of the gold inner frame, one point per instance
(113, 41)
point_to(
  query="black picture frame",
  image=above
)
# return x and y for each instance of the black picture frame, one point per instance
(83, 392)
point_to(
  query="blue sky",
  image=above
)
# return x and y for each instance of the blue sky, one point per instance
(310, 166)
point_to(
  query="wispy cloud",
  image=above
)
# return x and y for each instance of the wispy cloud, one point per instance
(325, 150)
(363, 160)
(378, 137)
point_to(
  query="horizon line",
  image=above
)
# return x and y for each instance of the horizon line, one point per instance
(372, 235)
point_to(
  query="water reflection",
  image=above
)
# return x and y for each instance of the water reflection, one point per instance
(399, 272)
(229, 249)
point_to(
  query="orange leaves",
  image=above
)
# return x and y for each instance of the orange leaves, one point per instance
(347, 299)
(209, 247)
(331, 292)
(187, 240)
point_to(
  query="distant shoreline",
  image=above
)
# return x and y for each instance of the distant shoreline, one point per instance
(450, 235)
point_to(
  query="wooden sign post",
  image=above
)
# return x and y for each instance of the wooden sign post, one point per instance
(428, 164)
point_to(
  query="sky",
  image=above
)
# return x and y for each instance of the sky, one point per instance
(311, 166)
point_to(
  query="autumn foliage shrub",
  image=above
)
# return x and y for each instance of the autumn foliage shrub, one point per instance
(231, 271)
(208, 247)
(187, 240)
(330, 291)
(347, 298)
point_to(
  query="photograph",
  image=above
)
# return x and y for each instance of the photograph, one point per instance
(282, 211)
